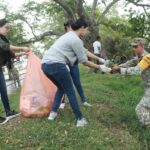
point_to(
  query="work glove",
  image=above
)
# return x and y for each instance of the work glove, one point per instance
(101, 60)
(105, 69)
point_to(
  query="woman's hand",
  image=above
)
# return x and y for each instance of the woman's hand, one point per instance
(25, 49)
(21, 54)
(16, 48)
(105, 69)
(101, 60)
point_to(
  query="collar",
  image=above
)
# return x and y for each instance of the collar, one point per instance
(4, 38)
(142, 55)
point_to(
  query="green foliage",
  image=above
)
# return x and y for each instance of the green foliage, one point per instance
(115, 40)
(17, 32)
(34, 18)
(140, 25)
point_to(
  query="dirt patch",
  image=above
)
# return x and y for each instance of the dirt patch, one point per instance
(103, 106)
(15, 122)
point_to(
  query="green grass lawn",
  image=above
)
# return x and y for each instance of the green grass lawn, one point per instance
(113, 124)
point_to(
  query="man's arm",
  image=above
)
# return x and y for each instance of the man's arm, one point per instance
(130, 63)
(142, 65)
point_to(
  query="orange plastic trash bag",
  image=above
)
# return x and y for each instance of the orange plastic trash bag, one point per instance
(37, 93)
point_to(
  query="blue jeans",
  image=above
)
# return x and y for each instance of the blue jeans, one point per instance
(75, 74)
(60, 76)
(3, 92)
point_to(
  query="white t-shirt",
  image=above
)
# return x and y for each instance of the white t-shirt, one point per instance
(97, 47)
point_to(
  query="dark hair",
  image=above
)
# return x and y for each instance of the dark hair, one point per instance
(98, 38)
(79, 23)
(68, 24)
(3, 22)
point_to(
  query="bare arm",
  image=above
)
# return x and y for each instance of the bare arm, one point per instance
(102, 68)
(91, 55)
(130, 63)
(16, 48)
(20, 54)
(91, 65)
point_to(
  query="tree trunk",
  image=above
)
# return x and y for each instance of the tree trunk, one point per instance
(91, 37)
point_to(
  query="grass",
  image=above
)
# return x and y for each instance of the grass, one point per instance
(113, 124)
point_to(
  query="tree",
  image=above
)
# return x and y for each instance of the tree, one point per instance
(78, 8)
(54, 12)
(140, 25)
(17, 33)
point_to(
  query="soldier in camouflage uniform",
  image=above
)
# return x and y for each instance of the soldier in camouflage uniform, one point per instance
(139, 65)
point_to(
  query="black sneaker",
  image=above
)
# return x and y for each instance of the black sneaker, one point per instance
(12, 114)
(3, 120)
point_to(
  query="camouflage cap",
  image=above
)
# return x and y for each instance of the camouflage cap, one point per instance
(138, 41)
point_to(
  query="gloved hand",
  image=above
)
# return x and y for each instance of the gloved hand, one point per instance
(101, 60)
(107, 62)
(105, 69)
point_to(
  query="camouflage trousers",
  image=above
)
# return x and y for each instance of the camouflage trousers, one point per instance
(143, 108)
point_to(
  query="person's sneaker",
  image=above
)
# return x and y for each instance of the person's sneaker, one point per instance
(12, 114)
(3, 120)
(82, 122)
(87, 104)
(52, 115)
(62, 106)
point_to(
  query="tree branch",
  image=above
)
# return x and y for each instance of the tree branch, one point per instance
(65, 6)
(138, 4)
(94, 7)
(145, 11)
(80, 9)
(32, 30)
(106, 11)
(41, 37)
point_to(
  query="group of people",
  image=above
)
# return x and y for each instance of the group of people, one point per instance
(60, 65)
